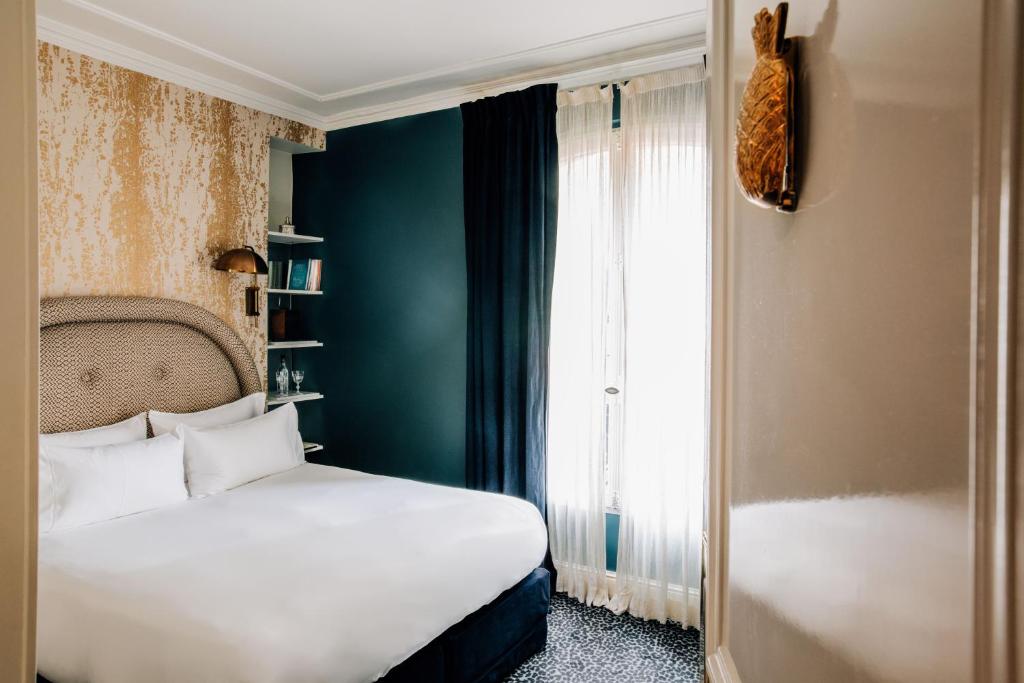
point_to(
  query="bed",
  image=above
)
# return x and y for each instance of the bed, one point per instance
(313, 574)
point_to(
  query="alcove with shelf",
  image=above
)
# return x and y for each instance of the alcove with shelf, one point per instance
(288, 338)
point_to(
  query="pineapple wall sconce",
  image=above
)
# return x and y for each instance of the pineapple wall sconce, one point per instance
(766, 126)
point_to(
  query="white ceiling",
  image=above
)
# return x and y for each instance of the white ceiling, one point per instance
(332, 63)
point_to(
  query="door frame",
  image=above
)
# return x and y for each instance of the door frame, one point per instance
(719, 666)
(19, 336)
(997, 371)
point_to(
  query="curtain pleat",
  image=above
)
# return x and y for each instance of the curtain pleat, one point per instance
(665, 291)
(510, 169)
(576, 472)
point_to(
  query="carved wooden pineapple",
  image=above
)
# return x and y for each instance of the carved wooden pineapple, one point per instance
(765, 129)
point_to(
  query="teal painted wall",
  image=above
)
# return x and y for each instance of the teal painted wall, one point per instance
(611, 539)
(388, 199)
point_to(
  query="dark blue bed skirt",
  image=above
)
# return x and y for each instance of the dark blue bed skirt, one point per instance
(488, 644)
(485, 646)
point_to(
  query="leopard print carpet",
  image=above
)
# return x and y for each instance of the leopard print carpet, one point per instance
(593, 645)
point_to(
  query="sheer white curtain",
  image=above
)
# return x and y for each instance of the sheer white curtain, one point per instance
(663, 128)
(576, 399)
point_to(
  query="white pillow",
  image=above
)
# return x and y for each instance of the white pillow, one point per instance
(243, 409)
(132, 429)
(221, 458)
(79, 486)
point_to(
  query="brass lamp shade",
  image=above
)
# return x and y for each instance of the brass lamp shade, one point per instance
(245, 260)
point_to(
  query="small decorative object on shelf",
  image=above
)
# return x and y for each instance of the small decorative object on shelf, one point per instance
(285, 325)
(282, 378)
(287, 228)
(298, 376)
(766, 126)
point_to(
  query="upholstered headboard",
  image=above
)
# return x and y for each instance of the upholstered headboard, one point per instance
(105, 358)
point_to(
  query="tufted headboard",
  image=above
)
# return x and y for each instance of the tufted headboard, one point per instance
(106, 358)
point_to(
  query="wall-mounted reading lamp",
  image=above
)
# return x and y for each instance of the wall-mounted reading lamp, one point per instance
(245, 260)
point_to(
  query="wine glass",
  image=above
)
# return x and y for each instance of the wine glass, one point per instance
(298, 376)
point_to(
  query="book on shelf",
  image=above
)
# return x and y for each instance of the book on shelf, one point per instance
(300, 274)
(276, 274)
(313, 275)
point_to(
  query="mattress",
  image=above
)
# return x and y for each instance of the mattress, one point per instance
(314, 574)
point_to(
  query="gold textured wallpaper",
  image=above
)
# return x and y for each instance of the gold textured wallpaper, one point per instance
(143, 183)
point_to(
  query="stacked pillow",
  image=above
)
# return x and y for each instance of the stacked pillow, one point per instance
(102, 473)
(79, 486)
(223, 457)
(132, 429)
(107, 472)
(243, 409)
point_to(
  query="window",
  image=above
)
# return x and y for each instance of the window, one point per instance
(615, 336)
(614, 184)
(627, 401)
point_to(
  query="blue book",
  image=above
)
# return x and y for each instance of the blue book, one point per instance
(297, 279)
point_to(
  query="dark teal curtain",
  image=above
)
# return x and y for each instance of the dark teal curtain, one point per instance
(510, 171)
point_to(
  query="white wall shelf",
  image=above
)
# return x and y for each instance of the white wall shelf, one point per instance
(282, 247)
(285, 345)
(273, 399)
(282, 238)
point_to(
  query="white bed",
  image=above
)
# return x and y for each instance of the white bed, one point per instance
(334, 575)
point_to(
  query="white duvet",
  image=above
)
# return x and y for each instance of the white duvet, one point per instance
(315, 574)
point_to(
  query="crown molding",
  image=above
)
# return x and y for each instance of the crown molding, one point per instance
(151, 32)
(105, 50)
(605, 68)
(682, 22)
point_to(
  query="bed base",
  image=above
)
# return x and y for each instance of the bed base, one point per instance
(487, 645)
(490, 643)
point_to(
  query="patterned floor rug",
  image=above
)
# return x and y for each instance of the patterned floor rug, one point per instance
(592, 645)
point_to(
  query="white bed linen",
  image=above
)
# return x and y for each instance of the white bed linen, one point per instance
(314, 574)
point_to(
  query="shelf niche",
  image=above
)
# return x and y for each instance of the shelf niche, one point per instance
(281, 247)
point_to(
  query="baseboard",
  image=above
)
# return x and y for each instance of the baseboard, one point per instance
(720, 668)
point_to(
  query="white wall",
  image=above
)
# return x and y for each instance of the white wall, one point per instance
(849, 541)
(19, 334)
(280, 186)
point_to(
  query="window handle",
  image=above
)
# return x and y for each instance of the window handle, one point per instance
(611, 390)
